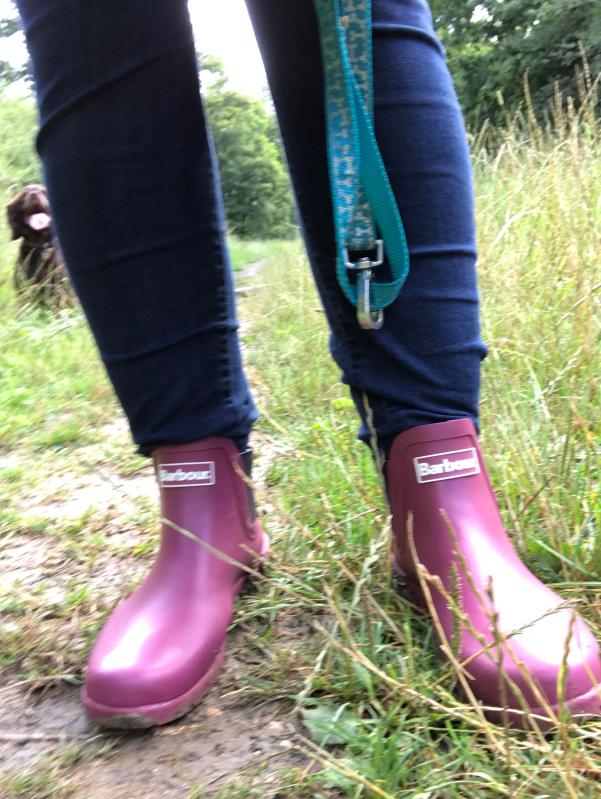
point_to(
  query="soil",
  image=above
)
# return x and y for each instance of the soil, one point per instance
(222, 739)
(226, 738)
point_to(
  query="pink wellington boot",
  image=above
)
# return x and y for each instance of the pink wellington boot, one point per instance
(440, 466)
(160, 650)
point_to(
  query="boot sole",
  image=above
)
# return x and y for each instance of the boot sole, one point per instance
(144, 716)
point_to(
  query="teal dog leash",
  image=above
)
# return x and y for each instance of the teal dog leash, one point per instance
(366, 216)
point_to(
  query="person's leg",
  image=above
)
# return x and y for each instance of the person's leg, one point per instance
(424, 365)
(132, 183)
(134, 192)
(420, 373)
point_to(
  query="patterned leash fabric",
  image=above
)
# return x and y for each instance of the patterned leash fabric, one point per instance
(365, 210)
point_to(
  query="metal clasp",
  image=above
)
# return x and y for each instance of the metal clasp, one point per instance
(368, 319)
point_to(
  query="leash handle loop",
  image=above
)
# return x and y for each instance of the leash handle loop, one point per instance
(364, 206)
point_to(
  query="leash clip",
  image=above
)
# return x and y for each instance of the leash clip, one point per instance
(367, 318)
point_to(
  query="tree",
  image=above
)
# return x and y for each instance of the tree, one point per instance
(8, 72)
(491, 45)
(256, 191)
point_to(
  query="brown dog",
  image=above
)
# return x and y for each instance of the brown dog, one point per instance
(40, 274)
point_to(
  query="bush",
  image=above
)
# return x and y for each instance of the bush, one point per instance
(256, 192)
(19, 163)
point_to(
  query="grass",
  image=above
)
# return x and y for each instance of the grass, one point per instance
(48, 778)
(326, 630)
(245, 252)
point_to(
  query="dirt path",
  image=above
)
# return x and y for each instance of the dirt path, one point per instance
(227, 738)
(224, 738)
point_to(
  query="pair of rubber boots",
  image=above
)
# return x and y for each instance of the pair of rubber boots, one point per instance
(517, 647)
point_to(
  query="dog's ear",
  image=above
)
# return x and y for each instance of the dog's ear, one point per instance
(14, 212)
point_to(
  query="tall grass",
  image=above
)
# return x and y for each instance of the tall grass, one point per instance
(540, 253)
(375, 684)
(327, 631)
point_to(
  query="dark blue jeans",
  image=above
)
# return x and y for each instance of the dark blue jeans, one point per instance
(135, 195)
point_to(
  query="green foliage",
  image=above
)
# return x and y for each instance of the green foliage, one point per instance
(250, 252)
(19, 163)
(212, 72)
(9, 26)
(493, 45)
(256, 191)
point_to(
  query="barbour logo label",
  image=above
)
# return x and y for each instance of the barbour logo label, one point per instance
(187, 475)
(446, 465)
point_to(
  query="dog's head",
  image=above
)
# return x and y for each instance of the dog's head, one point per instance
(28, 215)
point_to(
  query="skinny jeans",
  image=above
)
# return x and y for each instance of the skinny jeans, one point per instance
(134, 189)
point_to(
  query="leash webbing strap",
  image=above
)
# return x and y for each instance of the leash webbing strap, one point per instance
(365, 209)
